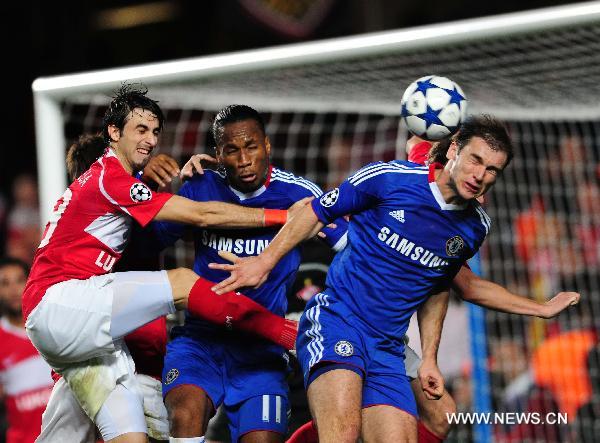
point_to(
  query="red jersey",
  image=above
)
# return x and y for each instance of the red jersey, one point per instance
(419, 152)
(26, 382)
(90, 226)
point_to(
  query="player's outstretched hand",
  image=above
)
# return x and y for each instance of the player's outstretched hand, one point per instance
(560, 302)
(161, 169)
(245, 272)
(194, 165)
(432, 381)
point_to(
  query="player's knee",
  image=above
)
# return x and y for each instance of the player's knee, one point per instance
(347, 431)
(186, 412)
(436, 415)
(182, 280)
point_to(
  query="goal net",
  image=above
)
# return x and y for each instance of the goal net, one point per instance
(333, 106)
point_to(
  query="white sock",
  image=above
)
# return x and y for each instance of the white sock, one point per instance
(187, 440)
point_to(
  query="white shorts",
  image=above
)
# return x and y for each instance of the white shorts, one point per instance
(65, 421)
(73, 329)
(412, 362)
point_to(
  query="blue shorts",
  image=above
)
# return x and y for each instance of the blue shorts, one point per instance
(248, 378)
(330, 337)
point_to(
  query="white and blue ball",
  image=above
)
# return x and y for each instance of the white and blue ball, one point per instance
(433, 107)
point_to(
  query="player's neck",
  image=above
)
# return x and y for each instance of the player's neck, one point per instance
(126, 165)
(448, 191)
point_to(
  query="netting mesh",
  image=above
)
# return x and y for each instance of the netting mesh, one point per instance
(543, 75)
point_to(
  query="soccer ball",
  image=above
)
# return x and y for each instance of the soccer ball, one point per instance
(139, 192)
(433, 107)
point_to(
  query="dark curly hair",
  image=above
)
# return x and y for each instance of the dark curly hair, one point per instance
(128, 97)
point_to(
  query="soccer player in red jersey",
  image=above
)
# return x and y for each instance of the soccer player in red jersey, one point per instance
(25, 397)
(77, 311)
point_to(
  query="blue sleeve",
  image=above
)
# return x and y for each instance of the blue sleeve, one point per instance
(358, 192)
(167, 233)
(336, 237)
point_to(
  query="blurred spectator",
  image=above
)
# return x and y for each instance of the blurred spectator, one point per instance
(23, 224)
(509, 365)
(587, 224)
(339, 161)
(560, 365)
(586, 427)
(24, 376)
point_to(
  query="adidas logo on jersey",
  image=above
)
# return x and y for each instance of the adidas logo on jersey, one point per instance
(398, 215)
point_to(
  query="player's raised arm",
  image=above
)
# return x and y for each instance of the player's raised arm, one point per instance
(474, 289)
(211, 214)
(431, 320)
(253, 271)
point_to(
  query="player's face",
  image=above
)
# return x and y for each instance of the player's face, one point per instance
(243, 149)
(12, 284)
(475, 168)
(134, 144)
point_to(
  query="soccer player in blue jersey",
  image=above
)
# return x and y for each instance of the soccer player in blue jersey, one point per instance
(412, 227)
(206, 366)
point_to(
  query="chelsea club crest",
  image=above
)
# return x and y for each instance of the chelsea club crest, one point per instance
(455, 245)
(344, 348)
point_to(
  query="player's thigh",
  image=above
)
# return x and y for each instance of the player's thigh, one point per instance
(189, 409)
(192, 385)
(262, 418)
(387, 424)
(72, 321)
(335, 396)
(64, 420)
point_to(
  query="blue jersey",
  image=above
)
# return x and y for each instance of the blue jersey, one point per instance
(281, 190)
(404, 242)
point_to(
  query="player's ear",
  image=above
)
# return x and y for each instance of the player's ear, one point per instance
(268, 145)
(452, 151)
(114, 133)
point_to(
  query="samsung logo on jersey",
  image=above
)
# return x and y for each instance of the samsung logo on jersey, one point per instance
(410, 250)
(247, 246)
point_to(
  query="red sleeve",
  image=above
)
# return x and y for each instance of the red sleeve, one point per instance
(132, 196)
(418, 153)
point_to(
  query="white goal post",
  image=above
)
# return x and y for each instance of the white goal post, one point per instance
(366, 72)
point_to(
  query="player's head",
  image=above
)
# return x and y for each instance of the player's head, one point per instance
(131, 126)
(242, 147)
(477, 155)
(83, 152)
(13, 276)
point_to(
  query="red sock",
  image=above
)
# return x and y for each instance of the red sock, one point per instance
(425, 435)
(237, 311)
(307, 433)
